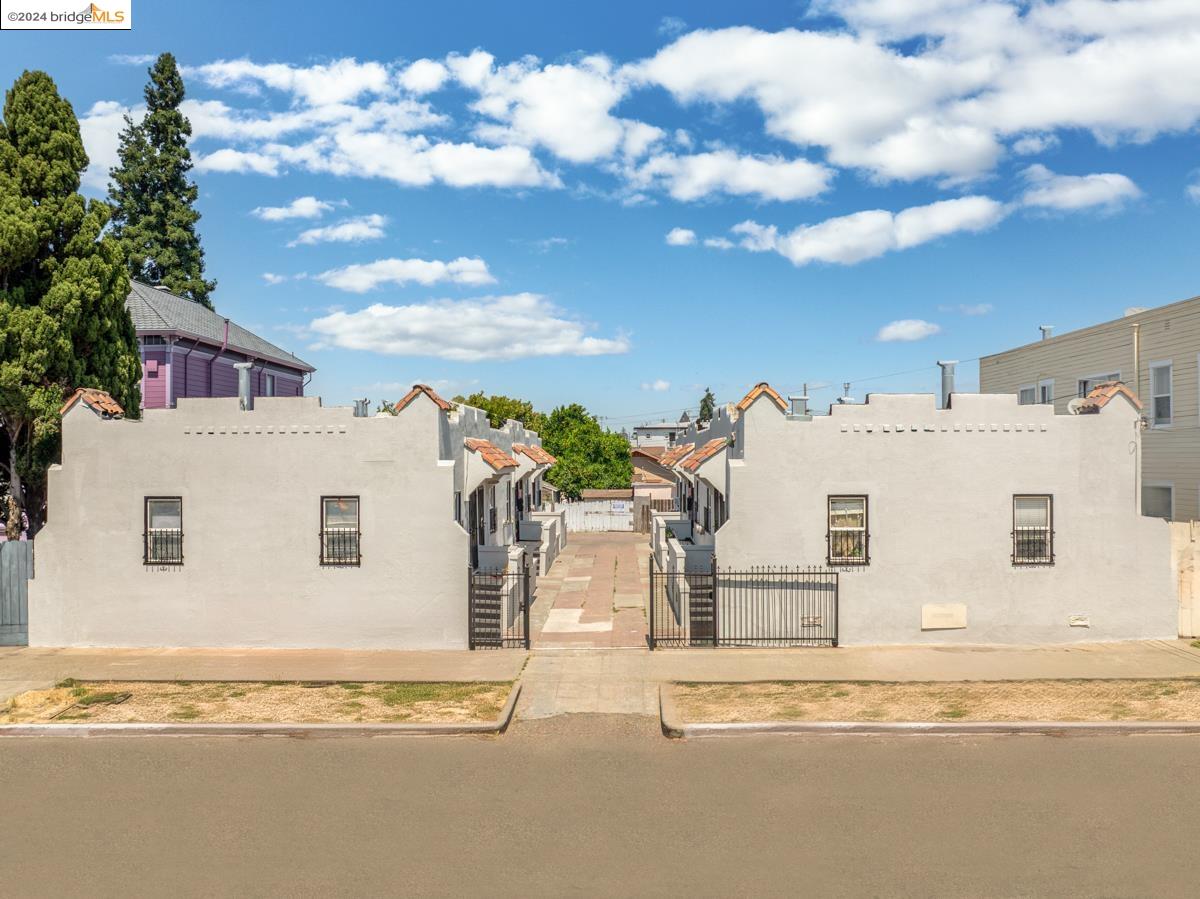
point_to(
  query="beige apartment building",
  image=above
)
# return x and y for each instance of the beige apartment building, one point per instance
(1153, 351)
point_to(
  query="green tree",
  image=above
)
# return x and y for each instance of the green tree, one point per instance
(706, 406)
(63, 285)
(501, 408)
(155, 218)
(588, 456)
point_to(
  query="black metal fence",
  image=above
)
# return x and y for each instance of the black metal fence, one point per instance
(762, 606)
(498, 607)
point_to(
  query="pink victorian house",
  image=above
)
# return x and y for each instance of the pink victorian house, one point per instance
(189, 350)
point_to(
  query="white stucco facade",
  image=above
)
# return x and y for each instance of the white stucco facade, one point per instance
(939, 487)
(251, 485)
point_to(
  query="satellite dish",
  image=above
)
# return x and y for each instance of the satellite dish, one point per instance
(1076, 404)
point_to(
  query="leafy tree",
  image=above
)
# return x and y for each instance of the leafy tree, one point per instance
(588, 456)
(63, 285)
(706, 406)
(502, 408)
(155, 218)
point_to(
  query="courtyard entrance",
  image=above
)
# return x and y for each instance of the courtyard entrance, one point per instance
(594, 595)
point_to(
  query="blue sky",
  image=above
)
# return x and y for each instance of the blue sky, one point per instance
(620, 204)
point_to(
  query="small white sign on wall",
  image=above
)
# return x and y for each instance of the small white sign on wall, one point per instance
(620, 505)
(936, 616)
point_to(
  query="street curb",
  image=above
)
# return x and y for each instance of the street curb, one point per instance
(675, 727)
(498, 726)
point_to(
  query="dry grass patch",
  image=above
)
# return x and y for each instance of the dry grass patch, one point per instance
(264, 702)
(1047, 700)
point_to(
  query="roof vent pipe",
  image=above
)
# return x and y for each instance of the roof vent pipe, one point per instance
(1047, 331)
(245, 396)
(947, 381)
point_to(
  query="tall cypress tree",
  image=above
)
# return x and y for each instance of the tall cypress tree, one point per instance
(155, 217)
(63, 285)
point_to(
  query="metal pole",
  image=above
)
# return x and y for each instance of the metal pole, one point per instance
(470, 610)
(650, 600)
(525, 602)
(714, 600)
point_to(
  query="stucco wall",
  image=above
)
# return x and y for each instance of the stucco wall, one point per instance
(251, 484)
(940, 485)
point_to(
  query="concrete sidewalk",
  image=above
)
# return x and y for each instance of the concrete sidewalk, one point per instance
(626, 681)
(33, 668)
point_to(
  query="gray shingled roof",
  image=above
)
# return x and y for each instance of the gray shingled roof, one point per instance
(160, 310)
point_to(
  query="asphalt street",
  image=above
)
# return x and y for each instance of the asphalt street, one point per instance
(600, 805)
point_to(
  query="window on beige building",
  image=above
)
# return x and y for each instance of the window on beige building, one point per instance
(1087, 385)
(339, 530)
(1160, 394)
(1158, 500)
(163, 542)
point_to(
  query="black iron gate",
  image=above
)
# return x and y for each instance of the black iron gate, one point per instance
(758, 606)
(498, 607)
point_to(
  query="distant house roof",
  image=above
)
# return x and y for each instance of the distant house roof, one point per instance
(97, 400)
(641, 476)
(620, 493)
(650, 452)
(416, 391)
(492, 454)
(157, 310)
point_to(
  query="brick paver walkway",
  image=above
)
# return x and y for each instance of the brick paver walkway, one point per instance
(594, 595)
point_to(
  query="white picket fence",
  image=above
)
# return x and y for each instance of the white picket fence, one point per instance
(599, 515)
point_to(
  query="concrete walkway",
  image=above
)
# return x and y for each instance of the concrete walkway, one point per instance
(594, 595)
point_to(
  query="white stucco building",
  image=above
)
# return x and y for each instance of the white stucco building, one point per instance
(984, 522)
(279, 522)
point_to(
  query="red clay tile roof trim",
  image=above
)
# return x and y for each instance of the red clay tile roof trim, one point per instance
(417, 390)
(705, 453)
(96, 399)
(1102, 393)
(673, 455)
(536, 453)
(762, 388)
(491, 454)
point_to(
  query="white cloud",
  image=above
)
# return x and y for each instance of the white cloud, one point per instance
(723, 171)
(273, 279)
(100, 127)
(971, 75)
(424, 76)
(681, 237)
(299, 208)
(132, 59)
(363, 277)
(340, 81)
(1032, 144)
(502, 327)
(1192, 190)
(1071, 192)
(354, 230)
(907, 329)
(658, 386)
(230, 160)
(565, 108)
(972, 309)
(719, 243)
(671, 26)
(864, 235)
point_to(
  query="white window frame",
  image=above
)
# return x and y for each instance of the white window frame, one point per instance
(1170, 485)
(1042, 385)
(1033, 389)
(1164, 363)
(269, 384)
(1094, 379)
